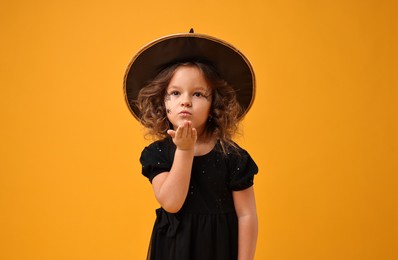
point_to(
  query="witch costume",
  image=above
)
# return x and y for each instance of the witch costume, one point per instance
(206, 227)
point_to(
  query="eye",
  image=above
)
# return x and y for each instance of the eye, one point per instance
(198, 94)
(174, 93)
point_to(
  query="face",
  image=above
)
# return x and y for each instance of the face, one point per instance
(188, 98)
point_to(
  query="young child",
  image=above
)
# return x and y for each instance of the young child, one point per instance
(191, 91)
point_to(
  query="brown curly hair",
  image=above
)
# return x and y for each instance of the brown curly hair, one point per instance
(225, 111)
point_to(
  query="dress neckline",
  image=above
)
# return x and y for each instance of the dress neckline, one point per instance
(209, 152)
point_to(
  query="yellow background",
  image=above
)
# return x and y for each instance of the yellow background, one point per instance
(323, 128)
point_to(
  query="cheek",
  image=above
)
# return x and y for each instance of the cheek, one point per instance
(166, 105)
(209, 104)
(169, 105)
(205, 109)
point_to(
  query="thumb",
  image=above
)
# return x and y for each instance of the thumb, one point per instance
(172, 133)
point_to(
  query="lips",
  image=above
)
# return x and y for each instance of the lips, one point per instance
(184, 113)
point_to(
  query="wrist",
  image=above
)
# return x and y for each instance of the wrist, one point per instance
(186, 150)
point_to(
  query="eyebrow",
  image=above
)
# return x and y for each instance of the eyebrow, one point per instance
(202, 89)
(175, 87)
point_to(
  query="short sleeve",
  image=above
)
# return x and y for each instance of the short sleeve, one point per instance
(242, 169)
(154, 160)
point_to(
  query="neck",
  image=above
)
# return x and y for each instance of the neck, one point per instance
(205, 137)
(204, 144)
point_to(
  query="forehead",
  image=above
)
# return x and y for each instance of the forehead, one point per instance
(189, 76)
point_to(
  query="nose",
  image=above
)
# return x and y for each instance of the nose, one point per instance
(186, 102)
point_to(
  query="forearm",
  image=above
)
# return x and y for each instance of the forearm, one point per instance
(248, 230)
(173, 190)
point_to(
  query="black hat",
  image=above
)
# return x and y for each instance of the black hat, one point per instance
(229, 62)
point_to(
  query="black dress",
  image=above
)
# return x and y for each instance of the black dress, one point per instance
(206, 227)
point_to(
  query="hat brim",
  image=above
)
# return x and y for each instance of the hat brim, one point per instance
(229, 62)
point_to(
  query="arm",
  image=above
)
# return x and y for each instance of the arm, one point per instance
(171, 188)
(245, 206)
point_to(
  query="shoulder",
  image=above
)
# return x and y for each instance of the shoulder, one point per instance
(163, 148)
(242, 168)
(156, 158)
(160, 145)
(237, 156)
(235, 150)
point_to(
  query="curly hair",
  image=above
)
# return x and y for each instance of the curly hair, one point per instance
(225, 111)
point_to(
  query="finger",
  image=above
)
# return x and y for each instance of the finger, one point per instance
(180, 131)
(172, 133)
(189, 129)
(194, 134)
(185, 129)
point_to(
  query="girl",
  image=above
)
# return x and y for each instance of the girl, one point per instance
(200, 177)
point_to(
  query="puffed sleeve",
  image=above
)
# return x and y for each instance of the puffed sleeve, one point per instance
(154, 160)
(242, 169)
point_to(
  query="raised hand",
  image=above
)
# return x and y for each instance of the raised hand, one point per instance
(184, 137)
